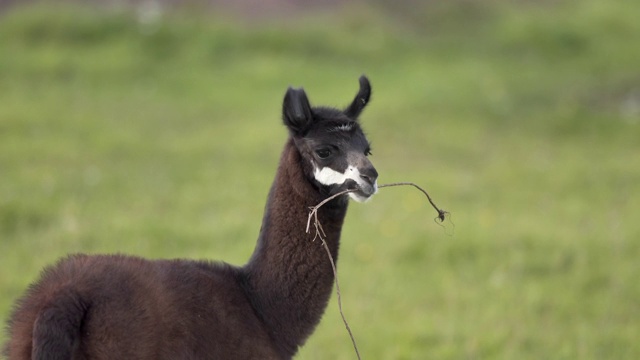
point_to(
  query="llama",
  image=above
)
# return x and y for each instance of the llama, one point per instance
(125, 307)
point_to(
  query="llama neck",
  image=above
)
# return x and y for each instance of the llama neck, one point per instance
(289, 276)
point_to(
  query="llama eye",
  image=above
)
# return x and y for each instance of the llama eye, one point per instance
(323, 153)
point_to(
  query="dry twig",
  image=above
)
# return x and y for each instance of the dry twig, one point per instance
(320, 234)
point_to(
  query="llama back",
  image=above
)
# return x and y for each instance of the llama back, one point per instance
(100, 306)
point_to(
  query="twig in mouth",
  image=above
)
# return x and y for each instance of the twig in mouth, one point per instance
(320, 234)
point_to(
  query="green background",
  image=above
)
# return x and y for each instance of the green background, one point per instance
(156, 131)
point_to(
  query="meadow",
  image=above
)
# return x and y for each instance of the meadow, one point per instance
(157, 134)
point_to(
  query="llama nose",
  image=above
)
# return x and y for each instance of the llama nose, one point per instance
(369, 175)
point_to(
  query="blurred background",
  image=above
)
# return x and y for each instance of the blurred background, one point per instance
(153, 128)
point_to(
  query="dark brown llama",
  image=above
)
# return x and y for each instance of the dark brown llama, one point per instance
(124, 307)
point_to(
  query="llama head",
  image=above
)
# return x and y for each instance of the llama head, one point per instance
(332, 144)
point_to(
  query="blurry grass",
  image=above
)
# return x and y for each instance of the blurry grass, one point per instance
(160, 138)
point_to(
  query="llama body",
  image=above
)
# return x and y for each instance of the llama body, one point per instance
(164, 309)
(124, 307)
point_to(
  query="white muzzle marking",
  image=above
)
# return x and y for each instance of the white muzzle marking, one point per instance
(328, 176)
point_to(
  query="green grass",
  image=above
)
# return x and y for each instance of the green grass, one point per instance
(161, 139)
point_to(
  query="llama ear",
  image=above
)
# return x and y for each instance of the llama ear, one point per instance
(361, 99)
(296, 111)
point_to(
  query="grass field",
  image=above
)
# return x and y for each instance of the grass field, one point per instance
(160, 136)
